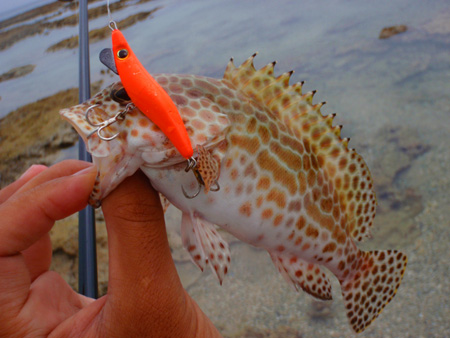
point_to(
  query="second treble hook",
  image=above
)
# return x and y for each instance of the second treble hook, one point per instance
(206, 171)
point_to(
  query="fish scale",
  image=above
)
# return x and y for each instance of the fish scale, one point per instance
(288, 181)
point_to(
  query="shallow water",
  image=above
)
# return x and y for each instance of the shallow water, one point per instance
(392, 96)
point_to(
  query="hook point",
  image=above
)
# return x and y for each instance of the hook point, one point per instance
(191, 196)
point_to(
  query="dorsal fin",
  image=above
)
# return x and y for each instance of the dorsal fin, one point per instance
(345, 168)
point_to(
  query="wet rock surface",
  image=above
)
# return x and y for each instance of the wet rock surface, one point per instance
(32, 14)
(46, 19)
(387, 32)
(101, 33)
(35, 133)
(16, 72)
(43, 14)
(394, 152)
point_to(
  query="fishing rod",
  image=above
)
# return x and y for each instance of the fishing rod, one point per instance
(87, 261)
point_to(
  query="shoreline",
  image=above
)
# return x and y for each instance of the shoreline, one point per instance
(36, 134)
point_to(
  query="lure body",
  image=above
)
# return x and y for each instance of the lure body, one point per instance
(151, 99)
(288, 181)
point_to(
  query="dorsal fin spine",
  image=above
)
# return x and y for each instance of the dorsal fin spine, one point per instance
(345, 141)
(283, 79)
(329, 120)
(268, 69)
(297, 87)
(308, 97)
(317, 106)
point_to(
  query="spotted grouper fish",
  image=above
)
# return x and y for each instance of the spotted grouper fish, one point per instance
(274, 172)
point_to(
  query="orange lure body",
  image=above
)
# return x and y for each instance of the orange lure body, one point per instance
(151, 99)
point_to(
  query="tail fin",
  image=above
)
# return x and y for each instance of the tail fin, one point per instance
(372, 286)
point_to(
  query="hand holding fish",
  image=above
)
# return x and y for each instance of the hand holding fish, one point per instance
(145, 296)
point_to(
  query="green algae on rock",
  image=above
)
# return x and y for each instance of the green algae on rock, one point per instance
(16, 72)
(387, 32)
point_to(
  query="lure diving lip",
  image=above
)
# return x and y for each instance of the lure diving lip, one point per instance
(107, 58)
(146, 94)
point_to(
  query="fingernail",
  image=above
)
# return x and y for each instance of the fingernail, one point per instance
(31, 170)
(84, 171)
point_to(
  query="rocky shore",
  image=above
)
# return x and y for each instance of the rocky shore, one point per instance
(35, 133)
(11, 33)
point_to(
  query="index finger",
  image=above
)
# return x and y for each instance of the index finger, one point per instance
(10, 189)
(31, 213)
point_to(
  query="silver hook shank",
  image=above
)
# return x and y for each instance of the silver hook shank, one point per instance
(199, 188)
(105, 138)
(191, 165)
(86, 116)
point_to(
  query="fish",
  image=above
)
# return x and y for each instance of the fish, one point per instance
(287, 182)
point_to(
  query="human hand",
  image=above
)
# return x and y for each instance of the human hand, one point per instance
(145, 297)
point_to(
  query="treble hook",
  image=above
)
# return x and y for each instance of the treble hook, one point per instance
(216, 188)
(192, 165)
(120, 116)
(199, 188)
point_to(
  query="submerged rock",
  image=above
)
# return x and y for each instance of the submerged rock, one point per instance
(394, 150)
(320, 310)
(16, 72)
(387, 32)
(101, 33)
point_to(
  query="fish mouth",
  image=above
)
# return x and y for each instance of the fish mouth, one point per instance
(88, 117)
(76, 117)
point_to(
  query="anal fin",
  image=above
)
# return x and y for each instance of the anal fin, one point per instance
(307, 276)
(205, 245)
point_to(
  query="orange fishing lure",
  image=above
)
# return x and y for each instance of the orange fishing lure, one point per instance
(149, 96)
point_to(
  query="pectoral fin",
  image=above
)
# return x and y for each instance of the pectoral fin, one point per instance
(205, 245)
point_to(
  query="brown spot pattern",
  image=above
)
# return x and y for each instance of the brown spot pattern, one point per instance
(301, 174)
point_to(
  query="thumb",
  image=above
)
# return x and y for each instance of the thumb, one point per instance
(142, 277)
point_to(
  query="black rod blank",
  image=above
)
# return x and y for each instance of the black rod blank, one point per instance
(87, 263)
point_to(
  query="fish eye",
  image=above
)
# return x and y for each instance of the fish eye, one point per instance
(120, 96)
(122, 54)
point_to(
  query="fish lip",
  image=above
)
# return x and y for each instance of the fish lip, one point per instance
(84, 134)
